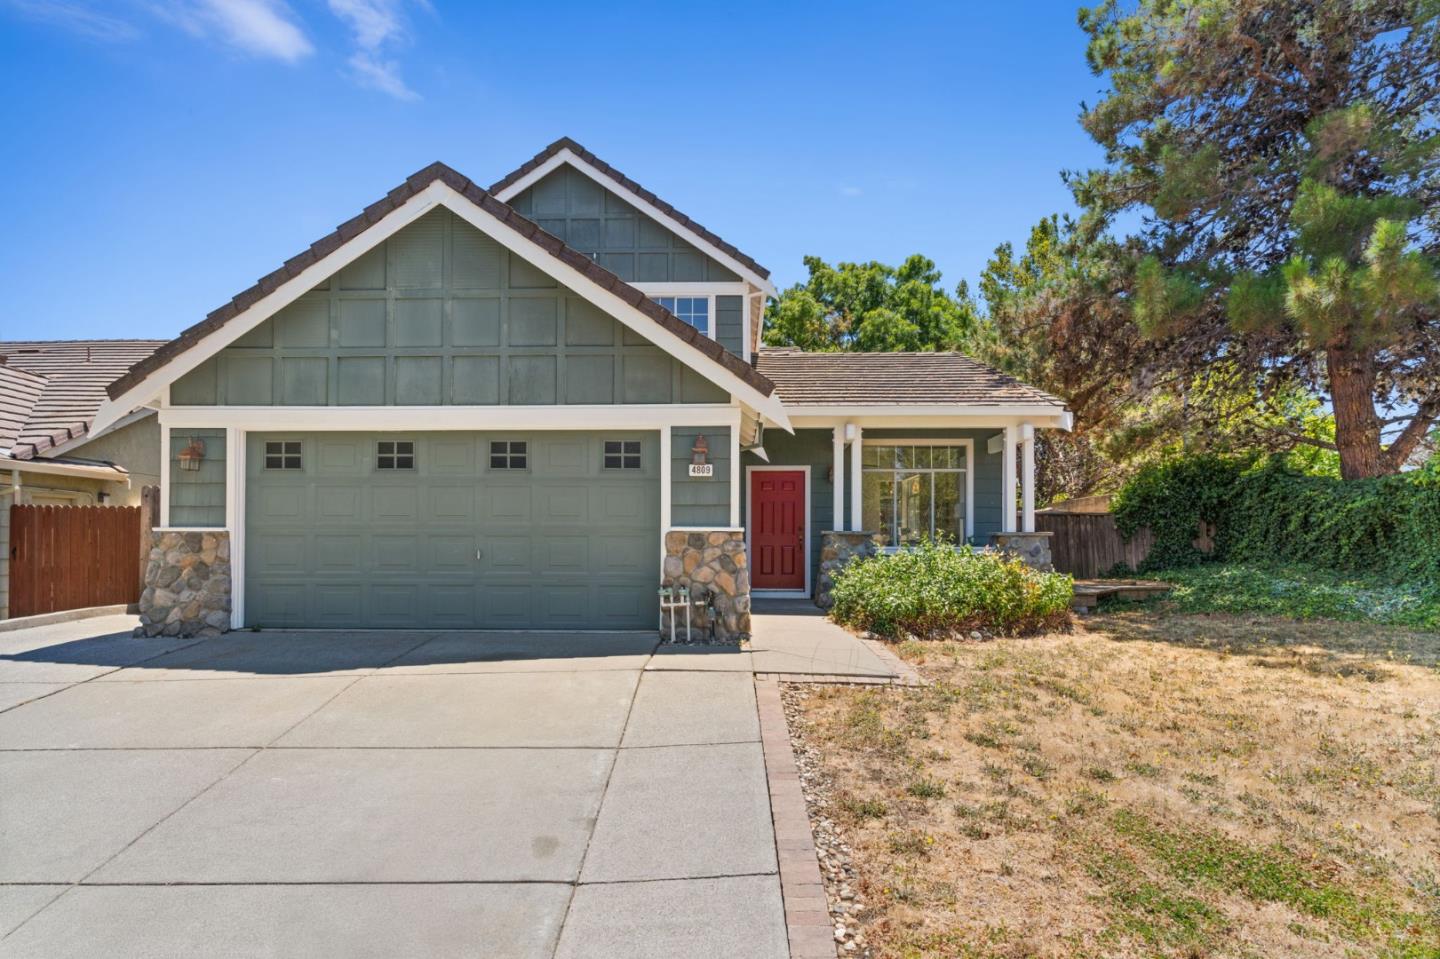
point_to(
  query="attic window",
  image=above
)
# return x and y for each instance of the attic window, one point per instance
(694, 310)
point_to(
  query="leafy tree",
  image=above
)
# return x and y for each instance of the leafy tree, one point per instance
(871, 307)
(1287, 157)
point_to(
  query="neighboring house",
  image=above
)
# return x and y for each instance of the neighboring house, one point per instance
(49, 391)
(485, 408)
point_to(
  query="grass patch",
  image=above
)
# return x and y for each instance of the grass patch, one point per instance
(1300, 592)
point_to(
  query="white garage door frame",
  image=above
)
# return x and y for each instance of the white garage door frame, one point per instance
(239, 420)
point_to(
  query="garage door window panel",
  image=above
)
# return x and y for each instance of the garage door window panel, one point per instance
(283, 455)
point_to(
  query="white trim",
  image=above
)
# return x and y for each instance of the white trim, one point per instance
(750, 525)
(81, 440)
(940, 414)
(1007, 480)
(235, 449)
(735, 478)
(964, 441)
(107, 474)
(837, 477)
(695, 288)
(1027, 478)
(666, 481)
(707, 529)
(165, 473)
(857, 450)
(566, 155)
(410, 418)
(435, 195)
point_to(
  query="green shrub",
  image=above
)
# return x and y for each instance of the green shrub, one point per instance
(1264, 512)
(935, 589)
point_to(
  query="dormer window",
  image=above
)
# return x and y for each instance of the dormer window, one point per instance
(694, 310)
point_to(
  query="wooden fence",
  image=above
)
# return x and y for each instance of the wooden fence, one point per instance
(1088, 544)
(70, 557)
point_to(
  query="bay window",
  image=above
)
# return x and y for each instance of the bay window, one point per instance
(911, 490)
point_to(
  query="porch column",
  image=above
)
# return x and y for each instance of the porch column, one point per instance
(856, 488)
(1007, 481)
(837, 469)
(1027, 478)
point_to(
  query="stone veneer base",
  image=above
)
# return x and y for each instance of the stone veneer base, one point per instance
(838, 547)
(712, 561)
(1031, 548)
(187, 584)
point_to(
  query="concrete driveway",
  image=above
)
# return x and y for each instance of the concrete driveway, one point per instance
(380, 794)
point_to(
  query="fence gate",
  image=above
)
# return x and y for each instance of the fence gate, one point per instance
(70, 557)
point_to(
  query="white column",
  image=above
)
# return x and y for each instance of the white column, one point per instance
(665, 470)
(164, 474)
(1007, 481)
(837, 468)
(735, 490)
(235, 520)
(856, 490)
(1027, 478)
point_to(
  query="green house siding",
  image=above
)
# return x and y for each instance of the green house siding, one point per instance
(440, 315)
(197, 497)
(700, 501)
(812, 447)
(625, 241)
(729, 323)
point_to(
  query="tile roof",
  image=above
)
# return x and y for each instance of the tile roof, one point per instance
(50, 390)
(565, 143)
(377, 211)
(892, 379)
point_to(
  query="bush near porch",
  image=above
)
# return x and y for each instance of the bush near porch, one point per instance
(937, 590)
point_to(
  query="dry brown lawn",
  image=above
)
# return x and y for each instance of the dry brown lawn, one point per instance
(1149, 785)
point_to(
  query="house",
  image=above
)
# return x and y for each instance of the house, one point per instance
(527, 406)
(49, 392)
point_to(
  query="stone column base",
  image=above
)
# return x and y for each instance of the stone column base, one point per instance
(710, 563)
(837, 548)
(187, 584)
(1032, 548)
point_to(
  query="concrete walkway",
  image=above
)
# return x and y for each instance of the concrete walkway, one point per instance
(380, 794)
(793, 641)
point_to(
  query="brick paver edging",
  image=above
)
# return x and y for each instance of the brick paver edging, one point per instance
(807, 911)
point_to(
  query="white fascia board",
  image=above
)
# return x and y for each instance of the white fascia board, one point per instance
(1051, 417)
(119, 424)
(692, 288)
(108, 473)
(394, 419)
(640, 203)
(157, 384)
(436, 194)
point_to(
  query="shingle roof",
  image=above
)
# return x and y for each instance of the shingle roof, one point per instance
(892, 379)
(565, 143)
(50, 390)
(377, 211)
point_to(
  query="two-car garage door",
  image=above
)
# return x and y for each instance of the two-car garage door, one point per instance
(452, 530)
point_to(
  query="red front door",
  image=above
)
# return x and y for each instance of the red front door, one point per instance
(777, 529)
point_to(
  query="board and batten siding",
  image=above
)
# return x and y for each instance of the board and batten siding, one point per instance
(730, 323)
(600, 224)
(702, 501)
(197, 497)
(440, 314)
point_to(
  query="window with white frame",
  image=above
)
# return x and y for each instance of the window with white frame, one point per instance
(911, 490)
(694, 310)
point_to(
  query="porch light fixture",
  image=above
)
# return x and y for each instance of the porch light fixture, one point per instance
(699, 451)
(192, 455)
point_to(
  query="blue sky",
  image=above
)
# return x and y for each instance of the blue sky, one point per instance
(159, 157)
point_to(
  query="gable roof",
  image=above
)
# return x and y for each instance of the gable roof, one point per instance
(50, 390)
(500, 186)
(893, 379)
(481, 200)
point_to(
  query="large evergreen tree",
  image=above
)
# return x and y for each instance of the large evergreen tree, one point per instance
(1287, 157)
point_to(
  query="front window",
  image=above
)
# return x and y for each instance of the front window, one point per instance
(912, 491)
(694, 310)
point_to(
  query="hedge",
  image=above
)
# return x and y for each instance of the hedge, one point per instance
(935, 589)
(1265, 512)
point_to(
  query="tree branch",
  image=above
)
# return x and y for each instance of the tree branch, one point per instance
(1419, 427)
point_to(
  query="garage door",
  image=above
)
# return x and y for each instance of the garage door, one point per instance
(452, 530)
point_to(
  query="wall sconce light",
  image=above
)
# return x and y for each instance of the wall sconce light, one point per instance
(699, 451)
(192, 454)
